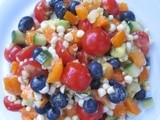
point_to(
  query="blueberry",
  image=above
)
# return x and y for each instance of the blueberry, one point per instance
(95, 84)
(140, 95)
(44, 109)
(53, 113)
(36, 51)
(127, 16)
(59, 100)
(119, 93)
(113, 82)
(72, 6)
(95, 69)
(60, 9)
(26, 23)
(90, 106)
(52, 3)
(115, 63)
(38, 83)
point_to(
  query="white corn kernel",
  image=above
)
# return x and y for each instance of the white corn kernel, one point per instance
(75, 117)
(37, 96)
(54, 39)
(110, 113)
(40, 117)
(68, 37)
(28, 108)
(112, 28)
(65, 44)
(62, 88)
(80, 33)
(129, 46)
(110, 17)
(110, 90)
(130, 37)
(105, 109)
(45, 89)
(67, 118)
(11, 98)
(25, 74)
(52, 90)
(61, 34)
(60, 29)
(105, 86)
(80, 102)
(128, 79)
(101, 92)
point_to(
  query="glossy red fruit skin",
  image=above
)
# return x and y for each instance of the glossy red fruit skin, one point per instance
(111, 6)
(11, 105)
(76, 76)
(90, 116)
(142, 42)
(84, 25)
(96, 42)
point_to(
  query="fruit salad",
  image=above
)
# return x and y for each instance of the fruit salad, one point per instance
(78, 60)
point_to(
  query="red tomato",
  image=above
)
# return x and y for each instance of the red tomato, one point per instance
(11, 105)
(84, 25)
(32, 67)
(40, 11)
(10, 54)
(142, 41)
(111, 6)
(90, 116)
(76, 76)
(82, 57)
(63, 53)
(25, 53)
(96, 42)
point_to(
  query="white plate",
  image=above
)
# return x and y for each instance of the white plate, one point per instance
(146, 11)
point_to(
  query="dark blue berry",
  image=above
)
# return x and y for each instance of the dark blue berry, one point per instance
(52, 3)
(115, 63)
(95, 84)
(90, 106)
(60, 9)
(53, 113)
(112, 82)
(26, 23)
(38, 83)
(95, 69)
(119, 93)
(147, 61)
(44, 109)
(140, 95)
(127, 16)
(36, 51)
(72, 6)
(59, 100)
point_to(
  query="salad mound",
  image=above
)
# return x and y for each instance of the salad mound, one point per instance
(78, 60)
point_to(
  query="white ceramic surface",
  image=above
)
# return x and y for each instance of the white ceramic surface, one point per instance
(145, 10)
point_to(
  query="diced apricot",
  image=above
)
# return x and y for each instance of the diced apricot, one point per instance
(81, 11)
(119, 110)
(138, 58)
(102, 22)
(123, 7)
(118, 39)
(131, 106)
(93, 4)
(29, 37)
(56, 71)
(28, 115)
(144, 75)
(108, 71)
(72, 49)
(75, 38)
(116, 21)
(14, 67)
(27, 93)
(71, 18)
(72, 111)
(48, 32)
(12, 85)
(117, 75)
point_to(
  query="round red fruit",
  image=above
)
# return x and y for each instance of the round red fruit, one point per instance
(76, 76)
(96, 42)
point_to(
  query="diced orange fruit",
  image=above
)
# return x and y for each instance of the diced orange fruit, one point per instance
(29, 37)
(138, 58)
(116, 21)
(72, 111)
(131, 106)
(144, 75)
(56, 71)
(72, 49)
(117, 75)
(12, 85)
(48, 32)
(14, 67)
(71, 18)
(101, 21)
(28, 115)
(61, 117)
(75, 38)
(92, 5)
(108, 70)
(81, 11)
(118, 39)
(27, 93)
(123, 7)
(119, 110)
